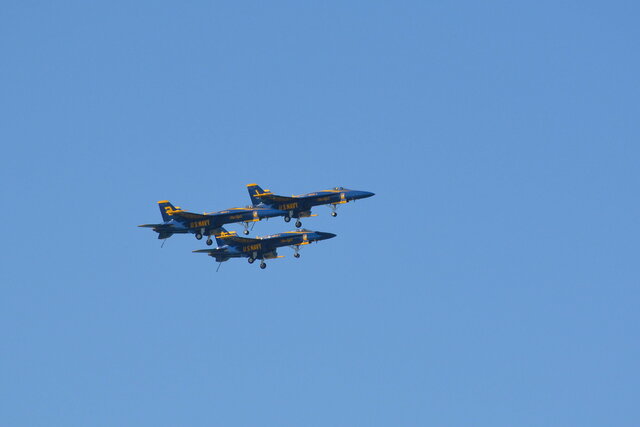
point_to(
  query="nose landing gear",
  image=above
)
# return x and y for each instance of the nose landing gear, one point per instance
(296, 251)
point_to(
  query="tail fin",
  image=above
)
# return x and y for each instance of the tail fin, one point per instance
(255, 192)
(167, 209)
(222, 235)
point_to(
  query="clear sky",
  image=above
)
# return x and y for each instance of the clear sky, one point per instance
(492, 281)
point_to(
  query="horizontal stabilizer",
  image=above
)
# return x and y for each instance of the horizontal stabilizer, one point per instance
(152, 225)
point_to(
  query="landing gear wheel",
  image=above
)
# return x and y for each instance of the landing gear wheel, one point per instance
(209, 241)
(298, 224)
(287, 218)
(250, 260)
(246, 232)
(297, 255)
(334, 214)
(263, 265)
(199, 236)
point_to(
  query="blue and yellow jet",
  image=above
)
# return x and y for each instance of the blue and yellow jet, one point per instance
(178, 221)
(300, 206)
(230, 245)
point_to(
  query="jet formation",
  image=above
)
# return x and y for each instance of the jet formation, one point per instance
(264, 205)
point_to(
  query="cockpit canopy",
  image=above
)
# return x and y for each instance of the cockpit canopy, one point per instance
(338, 188)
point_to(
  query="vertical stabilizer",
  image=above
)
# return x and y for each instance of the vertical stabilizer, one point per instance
(256, 192)
(166, 210)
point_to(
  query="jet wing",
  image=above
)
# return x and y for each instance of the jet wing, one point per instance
(218, 252)
(238, 241)
(214, 251)
(191, 215)
(154, 225)
(280, 199)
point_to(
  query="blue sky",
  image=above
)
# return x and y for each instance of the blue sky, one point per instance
(492, 280)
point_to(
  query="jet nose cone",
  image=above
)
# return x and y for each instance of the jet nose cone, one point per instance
(324, 236)
(363, 194)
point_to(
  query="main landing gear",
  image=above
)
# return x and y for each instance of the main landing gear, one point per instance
(251, 260)
(199, 233)
(287, 218)
(334, 213)
(333, 210)
(209, 241)
(297, 255)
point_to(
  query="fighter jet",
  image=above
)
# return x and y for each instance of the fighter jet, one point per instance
(178, 221)
(300, 206)
(230, 245)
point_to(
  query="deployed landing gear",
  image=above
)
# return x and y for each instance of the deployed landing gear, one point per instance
(263, 265)
(334, 213)
(209, 241)
(246, 228)
(250, 260)
(298, 224)
(199, 236)
(287, 218)
(297, 255)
